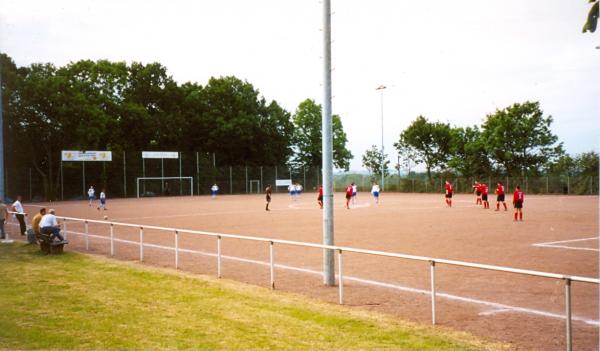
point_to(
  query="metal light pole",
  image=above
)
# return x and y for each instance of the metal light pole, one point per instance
(382, 88)
(2, 195)
(327, 150)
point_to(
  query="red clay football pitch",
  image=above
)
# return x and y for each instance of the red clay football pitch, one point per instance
(559, 234)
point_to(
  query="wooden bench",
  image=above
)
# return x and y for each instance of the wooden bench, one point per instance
(48, 245)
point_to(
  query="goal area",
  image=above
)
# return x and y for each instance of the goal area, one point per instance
(164, 186)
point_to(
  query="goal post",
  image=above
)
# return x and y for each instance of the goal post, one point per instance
(163, 186)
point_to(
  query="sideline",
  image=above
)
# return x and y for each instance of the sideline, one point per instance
(496, 307)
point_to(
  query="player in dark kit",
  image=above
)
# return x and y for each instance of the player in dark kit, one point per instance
(268, 191)
(320, 197)
(484, 195)
(449, 190)
(500, 197)
(518, 199)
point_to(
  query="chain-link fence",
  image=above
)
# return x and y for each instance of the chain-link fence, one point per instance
(122, 176)
(552, 184)
(119, 177)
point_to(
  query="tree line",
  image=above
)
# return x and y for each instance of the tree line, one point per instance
(513, 141)
(104, 105)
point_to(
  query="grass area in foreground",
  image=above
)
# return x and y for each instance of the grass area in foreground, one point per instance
(73, 301)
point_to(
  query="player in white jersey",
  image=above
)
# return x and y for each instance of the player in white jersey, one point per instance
(91, 195)
(354, 192)
(214, 190)
(102, 200)
(375, 192)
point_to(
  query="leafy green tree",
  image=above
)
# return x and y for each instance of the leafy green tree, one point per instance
(592, 17)
(238, 125)
(587, 164)
(307, 138)
(565, 164)
(426, 142)
(519, 140)
(372, 159)
(469, 156)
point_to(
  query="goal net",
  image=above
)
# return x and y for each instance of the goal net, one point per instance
(164, 186)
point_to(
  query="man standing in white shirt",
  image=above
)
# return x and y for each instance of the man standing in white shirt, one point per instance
(49, 225)
(18, 207)
(102, 200)
(91, 195)
(214, 190)
(375, 192)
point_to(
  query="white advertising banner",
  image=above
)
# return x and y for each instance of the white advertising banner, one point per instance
(160, 154)
(283, 182)
(76, 155)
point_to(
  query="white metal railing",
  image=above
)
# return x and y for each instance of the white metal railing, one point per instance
(568, 279)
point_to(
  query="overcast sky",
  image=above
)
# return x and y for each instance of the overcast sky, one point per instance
(452, 61)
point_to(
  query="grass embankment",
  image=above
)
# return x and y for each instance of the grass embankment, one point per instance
(73, 301)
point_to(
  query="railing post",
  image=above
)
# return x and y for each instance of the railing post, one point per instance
(341, 277)
(432, 265)
(176, 249)
(272, 264)
(87, 238)
(141, 244)
(568, 314)
(112, 240)
(65, 228)
(218, 256)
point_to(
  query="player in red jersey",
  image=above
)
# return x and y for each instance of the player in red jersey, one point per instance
(477, 189)
(349, 191)
(320, 197)
(484, 195)
(449, 190)
(500, 196)
(518, 199)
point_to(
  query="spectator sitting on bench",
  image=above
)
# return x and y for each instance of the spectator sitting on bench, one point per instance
(35, 222)
(49, 225)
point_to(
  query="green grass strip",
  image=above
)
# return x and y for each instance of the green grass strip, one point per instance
(74, 301)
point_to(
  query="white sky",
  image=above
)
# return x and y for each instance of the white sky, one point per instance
(453, 61)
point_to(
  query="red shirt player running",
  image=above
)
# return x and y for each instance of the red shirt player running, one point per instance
(348, 195)
(518, 199)
(449, 190)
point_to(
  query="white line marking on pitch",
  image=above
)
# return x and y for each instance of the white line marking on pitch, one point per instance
(552, 244)
(497, 307)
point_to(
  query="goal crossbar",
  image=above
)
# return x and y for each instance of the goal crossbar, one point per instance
(138, 179)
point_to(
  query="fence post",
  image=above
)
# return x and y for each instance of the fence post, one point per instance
(198, 172)
(547, 191)
(304, 176)
(141, 244)
(246, 179)
(341, 277)
(272, 265)
(432, 265)
(568, 313)
(218, 256)
(112, 240)
(230, 180)
(65, 228)
(275, 178)
(261, 180)
(568, 185)
(87, 239)
(124, 174)
(176, 249)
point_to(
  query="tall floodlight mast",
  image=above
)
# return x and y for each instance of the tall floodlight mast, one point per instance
(327, 150)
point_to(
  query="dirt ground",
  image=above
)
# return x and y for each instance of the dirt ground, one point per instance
(559, 234)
